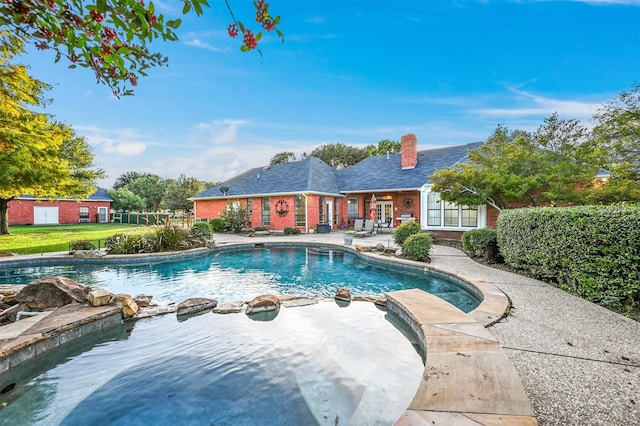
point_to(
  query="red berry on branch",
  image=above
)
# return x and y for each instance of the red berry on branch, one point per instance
(232, 30)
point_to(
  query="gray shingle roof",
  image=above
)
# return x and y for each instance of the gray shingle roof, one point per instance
(313, 175)
(309, 175)
(385, 172)
(99, 195)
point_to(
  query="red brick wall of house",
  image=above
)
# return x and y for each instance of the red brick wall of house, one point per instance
(21, 212)
(211, 209)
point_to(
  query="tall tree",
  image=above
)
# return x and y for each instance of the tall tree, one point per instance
(37, 157)
(151, 189)
(556, 164)
(283, 157)
(112, 37)
(384, 147)
(338, 155)
(617, 132)
(126, 178)
(178, 191)
(125, 200)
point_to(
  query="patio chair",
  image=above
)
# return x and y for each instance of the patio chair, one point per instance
(367, 230)
(386, 224)
(358, 225)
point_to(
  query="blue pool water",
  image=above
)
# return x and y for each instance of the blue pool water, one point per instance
(244, 274)
(314, 365)
(324, 364)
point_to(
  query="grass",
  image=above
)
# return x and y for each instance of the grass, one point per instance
(45, 239)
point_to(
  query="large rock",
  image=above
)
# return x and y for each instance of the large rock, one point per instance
(196, 304)
(143, 300)
(343, 294)
(264, 303)
(100, 297)
(125, 302)
(50, 292)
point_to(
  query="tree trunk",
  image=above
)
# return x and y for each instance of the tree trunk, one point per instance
(4, 216)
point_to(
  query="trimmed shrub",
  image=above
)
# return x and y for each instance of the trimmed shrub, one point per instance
(404, 231)
(417, 246)
(216, 224)
(481, 243)
(291, 231)
(591, 251)
(82, 245)
(201, 229)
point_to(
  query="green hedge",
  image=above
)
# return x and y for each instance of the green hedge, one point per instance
(478, 241)
(592, 251)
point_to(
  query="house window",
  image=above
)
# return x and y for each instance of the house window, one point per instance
(450, 215)
(300, 210)
(266, 211)
(434, 212)
(469, 216)
(249, 205)
(352, 209)
(336, 210)
(84, 212)
(321, 210)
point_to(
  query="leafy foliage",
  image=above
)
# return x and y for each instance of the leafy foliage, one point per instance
(339, 155)
(476, 242)
(592, 251)
(177, 192)
(82, 245)
(217, 224)
(236, 218)
(125, 200)
(384, 147)
(37, 156)
(283, 158)
(291, 231)
(112, 37)
(617, 133)
(201, 229)
(556, 165)
(404, 231)
(151, 189)
(162, 239)
(417, 246)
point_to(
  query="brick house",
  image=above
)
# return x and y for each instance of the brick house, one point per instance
(306, 193)
(27, 210)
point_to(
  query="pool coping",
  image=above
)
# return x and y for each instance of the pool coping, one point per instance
(468, 379)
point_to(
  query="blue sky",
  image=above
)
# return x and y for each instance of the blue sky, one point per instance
(353, 72)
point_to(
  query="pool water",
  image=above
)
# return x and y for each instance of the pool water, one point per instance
(316, 365)
(241, 275)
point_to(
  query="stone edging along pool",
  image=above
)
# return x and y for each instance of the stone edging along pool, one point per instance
(468, 379)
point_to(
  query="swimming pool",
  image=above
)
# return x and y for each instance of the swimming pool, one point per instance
(320, 364)
(241, 275)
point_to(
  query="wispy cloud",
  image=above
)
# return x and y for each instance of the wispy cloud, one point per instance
(316, 20)
(530, 104)
(196, 42)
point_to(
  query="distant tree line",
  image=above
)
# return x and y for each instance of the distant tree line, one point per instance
(134, 191)
(561, 163)
(339, 155)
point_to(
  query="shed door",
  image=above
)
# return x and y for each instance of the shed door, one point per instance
(45, 215)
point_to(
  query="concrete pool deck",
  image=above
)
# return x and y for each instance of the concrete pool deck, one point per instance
(579, 364)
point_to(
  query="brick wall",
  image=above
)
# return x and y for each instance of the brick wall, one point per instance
(21, 212)
(409, 153)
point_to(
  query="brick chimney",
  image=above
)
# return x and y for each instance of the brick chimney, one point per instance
(409, 149)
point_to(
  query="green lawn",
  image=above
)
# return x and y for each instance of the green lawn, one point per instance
(44, 239)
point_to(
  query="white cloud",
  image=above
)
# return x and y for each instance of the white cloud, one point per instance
(221, 132)
(196, 42)
(530, 104)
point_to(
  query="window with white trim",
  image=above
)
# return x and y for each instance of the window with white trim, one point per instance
(446, 214)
